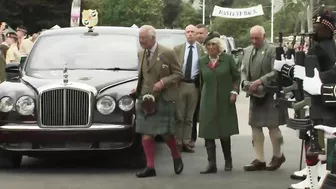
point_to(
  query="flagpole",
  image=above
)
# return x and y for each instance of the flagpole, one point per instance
(203, 12)
(272, 21)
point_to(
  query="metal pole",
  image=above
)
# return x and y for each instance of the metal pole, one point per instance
(312, 6)
(203, 12)
(301, 156)
(272, 21)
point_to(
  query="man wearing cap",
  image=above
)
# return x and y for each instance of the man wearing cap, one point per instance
(25, 45)
(256, 72)
(188, 54)
(325, 50)
(13, 54)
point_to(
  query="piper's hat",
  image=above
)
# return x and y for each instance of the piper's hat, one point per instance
(326, 19)
(210, 36)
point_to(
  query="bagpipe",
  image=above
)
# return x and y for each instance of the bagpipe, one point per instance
(290, 92)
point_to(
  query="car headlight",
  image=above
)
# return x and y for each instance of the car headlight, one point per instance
(25, 105)
(106, 105)
(6, 104)
(126, 103)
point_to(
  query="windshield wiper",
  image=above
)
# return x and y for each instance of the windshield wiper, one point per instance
(116, 69)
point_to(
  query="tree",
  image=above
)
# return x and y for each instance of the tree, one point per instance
(36, 14)
(129, 12)
(209, 5)
(171, 11)
(188, 15)
(237, 28)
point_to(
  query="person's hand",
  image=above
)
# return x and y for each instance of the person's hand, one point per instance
(291, 61)
(254, 86)
(233, 98)
(279, 63)
(312, 85)
(132, 94)
(299, 72)
(329, 132)
(158, 86)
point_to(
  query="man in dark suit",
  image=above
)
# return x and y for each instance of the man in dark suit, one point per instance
(201, 33)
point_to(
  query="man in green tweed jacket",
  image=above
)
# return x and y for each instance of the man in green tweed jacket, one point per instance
(159, 75)
(257, 69)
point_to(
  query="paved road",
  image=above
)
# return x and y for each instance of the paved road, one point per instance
(37, 174)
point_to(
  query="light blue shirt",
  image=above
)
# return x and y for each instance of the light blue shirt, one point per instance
(194, 67)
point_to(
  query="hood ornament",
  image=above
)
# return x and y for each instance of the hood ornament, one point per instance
(65, 74)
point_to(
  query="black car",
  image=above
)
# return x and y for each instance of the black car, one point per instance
(71, 96)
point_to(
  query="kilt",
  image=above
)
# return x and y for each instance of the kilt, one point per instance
(266, 114)
(331, 153)
(160, 123)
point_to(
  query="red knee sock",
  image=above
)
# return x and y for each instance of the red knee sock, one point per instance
(171, 143)
(149, 149)
(310, 160)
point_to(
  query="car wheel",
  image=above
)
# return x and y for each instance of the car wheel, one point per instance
(8, 160)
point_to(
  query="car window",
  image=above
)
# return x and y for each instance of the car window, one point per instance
(170, 39)
(84, 52)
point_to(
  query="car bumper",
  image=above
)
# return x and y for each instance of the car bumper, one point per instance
(32, 138)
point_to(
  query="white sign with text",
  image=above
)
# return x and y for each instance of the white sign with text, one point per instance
(238, 13)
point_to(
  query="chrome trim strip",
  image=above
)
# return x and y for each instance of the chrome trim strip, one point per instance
(65, 107)
(70, 85)
(37, 128)
(127, 145)
(118, 83)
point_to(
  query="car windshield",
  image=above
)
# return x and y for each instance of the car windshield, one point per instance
(104, 51)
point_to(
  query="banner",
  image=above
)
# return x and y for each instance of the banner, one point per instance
(238, 13)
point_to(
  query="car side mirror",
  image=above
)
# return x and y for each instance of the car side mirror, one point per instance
(13, 71)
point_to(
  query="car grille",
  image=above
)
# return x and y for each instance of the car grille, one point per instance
(65, 107)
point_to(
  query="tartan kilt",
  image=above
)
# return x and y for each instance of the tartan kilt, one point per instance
(161, 123)
(266, 114)
(331, 153)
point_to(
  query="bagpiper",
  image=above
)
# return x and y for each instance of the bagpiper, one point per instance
(325, 50)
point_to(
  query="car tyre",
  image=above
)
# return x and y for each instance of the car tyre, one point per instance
(8, 160)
